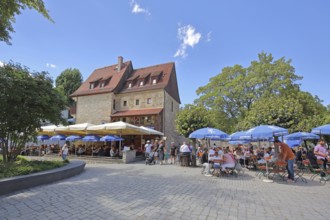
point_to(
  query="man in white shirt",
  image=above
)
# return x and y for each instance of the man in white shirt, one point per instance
(147, 147)
(65, 150)
(185, 148)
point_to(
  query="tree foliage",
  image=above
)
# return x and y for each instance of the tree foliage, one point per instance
(10, 8)
(191, 118)
(68, 82)
(27, 100)
(266, 92)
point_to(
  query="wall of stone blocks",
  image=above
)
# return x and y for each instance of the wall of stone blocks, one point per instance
(94, 109)
(169, 120)
(156, 96)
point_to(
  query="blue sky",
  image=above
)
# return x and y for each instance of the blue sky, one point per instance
(202, 37)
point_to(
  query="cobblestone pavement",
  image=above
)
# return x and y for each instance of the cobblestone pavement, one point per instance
(137, 191)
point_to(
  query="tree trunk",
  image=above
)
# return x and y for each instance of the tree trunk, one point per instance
(193, 154)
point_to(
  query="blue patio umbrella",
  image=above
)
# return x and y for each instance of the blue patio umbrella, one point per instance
(209, 133)
(109, 138)
(265, 132)
(73, 138)
(293, 143)
(43, 137)
(237, 136)
(91, 138)
(301, 136)
(58, 137)
(239, 142)
(322, 130)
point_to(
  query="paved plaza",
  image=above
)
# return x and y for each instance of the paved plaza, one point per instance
(137, 191)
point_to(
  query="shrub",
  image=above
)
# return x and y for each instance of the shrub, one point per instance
(24, 166)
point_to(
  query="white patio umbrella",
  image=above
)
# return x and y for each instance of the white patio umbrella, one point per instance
(118, 128)
(152, 131)
(49, 130)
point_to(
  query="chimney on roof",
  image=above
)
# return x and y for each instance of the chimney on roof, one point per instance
(120, 63)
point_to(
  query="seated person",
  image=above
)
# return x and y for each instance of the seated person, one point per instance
(81, 151)
(228, 161)
(113, 152)
(267, 155)
(217, 159)
(96, 151)
(101, 152)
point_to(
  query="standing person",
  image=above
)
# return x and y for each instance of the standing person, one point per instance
(161, 152)
(185, 151)
(321, 152)
(288, 156)
(65, 150)
(147, 148)
(173, 150)
(155, 150)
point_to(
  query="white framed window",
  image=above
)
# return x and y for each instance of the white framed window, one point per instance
(141, 83)
(148, 100)
(91, 86)
(154, 81)
(125, 103)
(137, 102)
(130, 85)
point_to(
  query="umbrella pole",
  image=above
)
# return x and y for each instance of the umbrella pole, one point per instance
(208, 144)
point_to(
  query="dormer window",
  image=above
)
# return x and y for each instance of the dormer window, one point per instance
(141, 83)
(130, 85)
(155, 77)
(93, 84)
(105, 82)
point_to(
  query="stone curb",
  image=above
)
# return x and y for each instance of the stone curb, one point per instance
(13, 184)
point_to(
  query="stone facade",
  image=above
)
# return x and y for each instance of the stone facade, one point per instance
(147, 96)
(156, 97)
(94, 109)
(171, 109)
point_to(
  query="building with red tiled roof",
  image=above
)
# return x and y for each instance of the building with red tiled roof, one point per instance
(146, 96)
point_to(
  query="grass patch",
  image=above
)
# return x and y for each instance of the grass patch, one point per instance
(24, 166)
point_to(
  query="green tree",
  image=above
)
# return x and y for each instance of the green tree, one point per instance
(192, 117)
(281, 111)
(232, 92)
(10, 8)
(27, 100)
(68, 82)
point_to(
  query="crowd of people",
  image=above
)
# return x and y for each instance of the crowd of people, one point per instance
(252, 156)
(222, 158)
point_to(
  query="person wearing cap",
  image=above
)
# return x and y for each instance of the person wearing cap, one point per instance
(288, 156)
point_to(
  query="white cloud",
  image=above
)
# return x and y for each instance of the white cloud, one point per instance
(136, 8)
(51, 65)
(188, 37)
(208, 37)
(2, 63)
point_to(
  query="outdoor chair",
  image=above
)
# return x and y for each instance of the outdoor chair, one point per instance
(299, 171)
(279, 170)
(313, 170)
(261, 170)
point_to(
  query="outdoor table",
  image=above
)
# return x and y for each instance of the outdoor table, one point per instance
(268, 180)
